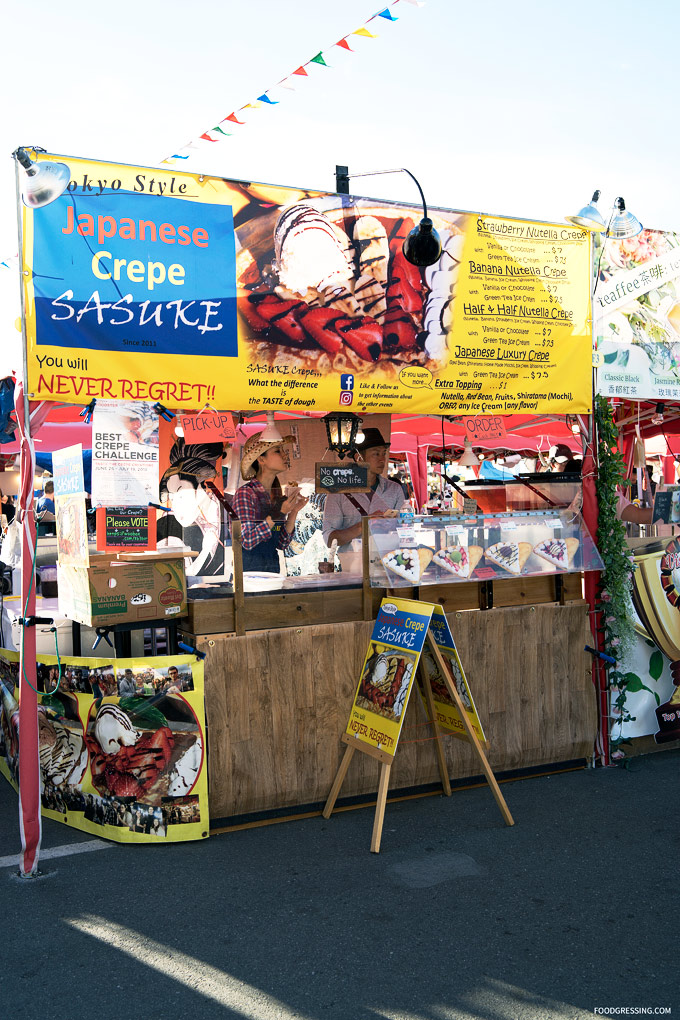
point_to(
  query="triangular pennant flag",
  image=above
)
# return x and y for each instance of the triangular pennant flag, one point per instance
(345, 45)
(227, 134)
(233, 118)
(251, 106)
(265, 99)
(318, 59)
(177, 156)
(416, 3)
(207, 137)
(386, 14)
(300, 70)
(284, 84)
(364, 31)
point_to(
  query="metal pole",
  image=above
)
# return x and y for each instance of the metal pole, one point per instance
(29, 761)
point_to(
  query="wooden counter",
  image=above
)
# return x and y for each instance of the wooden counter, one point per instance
(278, 699)
(291, 607)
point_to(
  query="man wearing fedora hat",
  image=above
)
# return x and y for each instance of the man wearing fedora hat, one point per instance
(342, 516)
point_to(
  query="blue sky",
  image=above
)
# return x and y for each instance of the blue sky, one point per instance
(521, 109)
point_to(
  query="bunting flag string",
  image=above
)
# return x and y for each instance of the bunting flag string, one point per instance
(215, 134)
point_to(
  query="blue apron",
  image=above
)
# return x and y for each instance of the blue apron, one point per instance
(265, 555)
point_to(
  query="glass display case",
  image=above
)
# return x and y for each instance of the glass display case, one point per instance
(541, 492)
(483, 547)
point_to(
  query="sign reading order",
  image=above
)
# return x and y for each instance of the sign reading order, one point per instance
(156, 285)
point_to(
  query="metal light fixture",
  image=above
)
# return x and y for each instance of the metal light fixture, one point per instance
(657, 417)
(622, 224)
(423, 246)
(44, 181)
(468, 457)
(271, 434)
(589, 216)
(341, 430)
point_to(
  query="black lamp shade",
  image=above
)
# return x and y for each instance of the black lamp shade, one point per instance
(341, 430)
(422, 247)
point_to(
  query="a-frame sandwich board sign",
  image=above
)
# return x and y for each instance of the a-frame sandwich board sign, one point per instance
(381, 699)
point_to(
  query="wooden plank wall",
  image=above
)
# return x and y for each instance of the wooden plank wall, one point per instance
(277, 702)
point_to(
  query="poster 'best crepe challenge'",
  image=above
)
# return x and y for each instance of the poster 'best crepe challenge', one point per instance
(158, 286)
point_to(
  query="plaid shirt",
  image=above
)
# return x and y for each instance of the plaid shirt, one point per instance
(252, 503)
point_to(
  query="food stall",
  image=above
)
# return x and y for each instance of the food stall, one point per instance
(298, 303)
(637, 345)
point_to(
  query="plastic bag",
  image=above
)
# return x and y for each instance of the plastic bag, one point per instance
(10, 552)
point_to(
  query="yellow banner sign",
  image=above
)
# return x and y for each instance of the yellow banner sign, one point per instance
(156, 285)
(388, 673)
(448, 716)
(122, 744)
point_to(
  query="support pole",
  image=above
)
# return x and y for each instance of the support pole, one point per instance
(30, 822)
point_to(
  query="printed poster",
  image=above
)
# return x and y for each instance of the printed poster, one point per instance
(652, 663)
(124, 453)
(165, 286)
(70, 508)
(388, 673)
(448, 716)
(636, 309)
(122, 744)
(192, 515)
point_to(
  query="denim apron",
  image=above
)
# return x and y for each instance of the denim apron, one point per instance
(265, 555)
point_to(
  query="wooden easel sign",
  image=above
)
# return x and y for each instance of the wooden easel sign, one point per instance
(392, 660)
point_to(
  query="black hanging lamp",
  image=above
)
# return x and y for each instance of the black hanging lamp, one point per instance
(341, 431)
(423, 246)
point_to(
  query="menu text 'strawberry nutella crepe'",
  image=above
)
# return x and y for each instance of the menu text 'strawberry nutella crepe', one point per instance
(511, 556)
(558, 551)
(335, 292)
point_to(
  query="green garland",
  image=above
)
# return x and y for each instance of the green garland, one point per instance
(614, 597)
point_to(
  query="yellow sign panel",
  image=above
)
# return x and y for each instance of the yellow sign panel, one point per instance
(156, 285)
(448, 716)
(122, 744)
(388, 673)
(521, 338)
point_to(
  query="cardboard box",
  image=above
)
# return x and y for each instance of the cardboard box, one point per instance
(128, 588)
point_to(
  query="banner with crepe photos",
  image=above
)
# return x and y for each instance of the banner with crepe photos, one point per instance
(121, 744)
(144, 290)
(636, 309)
(124, 453)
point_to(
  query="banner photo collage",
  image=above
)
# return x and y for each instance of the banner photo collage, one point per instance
(154, 285)
(121, 743)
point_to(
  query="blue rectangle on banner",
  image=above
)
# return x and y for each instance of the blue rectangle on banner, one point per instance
(127, 272)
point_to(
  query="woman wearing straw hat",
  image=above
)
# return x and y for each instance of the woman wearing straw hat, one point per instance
(267, 520)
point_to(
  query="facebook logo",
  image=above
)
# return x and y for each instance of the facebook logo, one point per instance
(346, 382)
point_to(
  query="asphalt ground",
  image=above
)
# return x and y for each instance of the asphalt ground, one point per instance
(573, 909)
